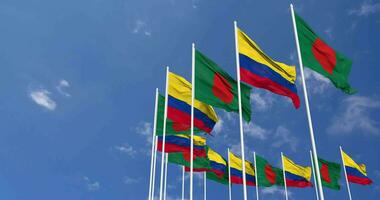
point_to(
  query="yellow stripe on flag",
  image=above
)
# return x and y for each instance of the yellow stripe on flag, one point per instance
(299, 170)
(250, 49)
(180, 88)
(214, 156)
(198, 140)
(349, 162)
(235, 162)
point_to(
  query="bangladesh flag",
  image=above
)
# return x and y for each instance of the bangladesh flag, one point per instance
(330, 174)
(219, 179)
(172, 128)
(320, 57)
(266, 174)
(198, 163)
(216, 88)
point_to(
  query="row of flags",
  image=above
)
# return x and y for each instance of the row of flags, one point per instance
(261, 171)
(185, 111)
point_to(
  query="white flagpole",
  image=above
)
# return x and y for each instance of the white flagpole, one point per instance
(283, 172)
(313, 170)
(154, 166)
(183, 182)
(153, 145)
(229, 176)
(313, 145)
(345, 173)
(166, 174)
(204, 186)
(164, 133)
(192, 118)
(256, 178)
(240, 111)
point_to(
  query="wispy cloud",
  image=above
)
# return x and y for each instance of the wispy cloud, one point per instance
(275, 190)
(283, 136)
(255, 131)
(130, 180)
(218, 126)
(262, 100)
(41, 97)
(316, 83)
(356, 115)
(145, 129)
(141, 27)
(329, 32)
(61, 86)
(126, 149)
(365, 9)
(91, 185)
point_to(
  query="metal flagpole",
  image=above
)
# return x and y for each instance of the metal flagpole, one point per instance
(166, 174)
(229, 176)
(313, 170)
(204, 186)
(154, 166)
(283, 172)
(313, 145)
(153, 145)
(164, 133)
(183, 182)
(240, 111)
(256, 178)
(192, 118)
(345, 173)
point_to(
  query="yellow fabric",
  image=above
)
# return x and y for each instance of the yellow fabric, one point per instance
(250, 49)
(236, 163)
(349, 162)
(180, 88)
(198, 140)
(213, 156)
(293, 168)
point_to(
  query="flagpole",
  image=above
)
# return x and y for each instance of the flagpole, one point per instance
(192, 118)
(229, 175)
(154, 166)
(164, 132)
(345, 173)
(313, 145)
(315, 180)
(153, 145)
(283, 173)
(183, 182)
(166, 174)
(240, 111)
(256, 178)
(204, 186)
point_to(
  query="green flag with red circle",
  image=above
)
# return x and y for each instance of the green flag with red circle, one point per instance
(217, 88)
(320, 57)
(267, 175)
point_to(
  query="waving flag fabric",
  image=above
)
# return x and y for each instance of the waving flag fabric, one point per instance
(330, 174)
(219, 168)
(179, 106)
(320, 57)
(216, 87)
(267, 175)
(237, 171)
(356, 173)
(259, 70)
(172, 127)
(296, 175)
(182, 143)
(199, 163)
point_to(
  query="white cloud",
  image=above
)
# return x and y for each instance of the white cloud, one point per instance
(328, 32)
(283, 137)
(141, 27)
(262, 101)
(218, 126)
(146, 130)
(130, 180)
(60, 87)
(91, 185)
(126, 149)
(274, 190)
(366, 8)
(255, 131)
(41, 97)
(356, 115)
(316, 83)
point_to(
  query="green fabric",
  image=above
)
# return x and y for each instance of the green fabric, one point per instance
(169, 123)
(214, 177)
(178, 158)
(330, 175)
(339, 76)
(267, 177)
(223, 95)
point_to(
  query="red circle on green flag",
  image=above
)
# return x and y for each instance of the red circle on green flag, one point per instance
(269, 174)
(222, 89)
(325, 55)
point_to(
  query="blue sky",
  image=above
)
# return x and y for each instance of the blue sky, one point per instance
(78, 80)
